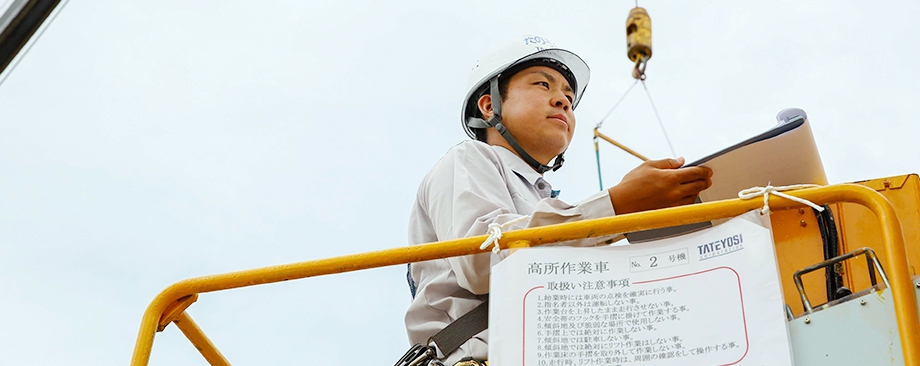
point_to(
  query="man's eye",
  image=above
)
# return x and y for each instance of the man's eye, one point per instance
(543, 84)
(569, 97)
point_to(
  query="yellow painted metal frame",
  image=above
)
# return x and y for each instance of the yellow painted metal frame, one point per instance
(170, 304)
(598, 134)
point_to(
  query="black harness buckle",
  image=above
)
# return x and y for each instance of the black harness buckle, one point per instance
(418, 355)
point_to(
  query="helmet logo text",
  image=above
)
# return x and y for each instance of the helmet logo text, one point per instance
(540, 42)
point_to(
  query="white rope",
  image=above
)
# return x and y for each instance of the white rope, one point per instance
(768, 190)
(495, 233)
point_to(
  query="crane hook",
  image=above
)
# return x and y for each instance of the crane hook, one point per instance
(639, 40)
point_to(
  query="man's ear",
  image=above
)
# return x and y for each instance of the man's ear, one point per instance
(485, 106)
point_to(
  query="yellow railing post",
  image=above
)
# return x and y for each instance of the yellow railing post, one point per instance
(905, 302)
(199, 340)
(598, 134)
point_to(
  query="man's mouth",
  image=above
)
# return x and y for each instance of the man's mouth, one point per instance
(561, 117)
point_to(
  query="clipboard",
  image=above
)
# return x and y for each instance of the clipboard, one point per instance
(785, 154)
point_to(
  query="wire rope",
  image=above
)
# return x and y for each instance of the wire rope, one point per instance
(597, 152)
(617, 104)
(654, 109)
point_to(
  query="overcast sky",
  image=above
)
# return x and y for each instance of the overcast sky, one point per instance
(142, 143)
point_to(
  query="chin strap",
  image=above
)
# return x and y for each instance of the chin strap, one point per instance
(496, 122)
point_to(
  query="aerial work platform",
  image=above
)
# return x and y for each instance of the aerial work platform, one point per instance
(859, 323)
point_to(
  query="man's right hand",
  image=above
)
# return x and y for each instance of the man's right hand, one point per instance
(658, 184)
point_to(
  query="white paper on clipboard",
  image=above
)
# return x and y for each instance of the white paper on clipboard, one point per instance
(783, 155)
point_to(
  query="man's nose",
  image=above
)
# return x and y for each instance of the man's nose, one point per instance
(561, 100)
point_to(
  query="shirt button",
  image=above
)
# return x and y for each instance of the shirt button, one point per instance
(541, 185)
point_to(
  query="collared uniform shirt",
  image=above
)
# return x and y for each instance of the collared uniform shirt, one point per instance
(472, 186)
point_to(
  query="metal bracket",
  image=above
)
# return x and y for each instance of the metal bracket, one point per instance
(871, 260)
(417, 355)
(174, 310)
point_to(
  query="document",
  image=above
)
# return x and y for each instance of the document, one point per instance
(711, 297)
(783, 155)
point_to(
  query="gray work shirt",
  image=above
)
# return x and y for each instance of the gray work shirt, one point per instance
(472, 186)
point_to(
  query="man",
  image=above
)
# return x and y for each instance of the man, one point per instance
(520, 110)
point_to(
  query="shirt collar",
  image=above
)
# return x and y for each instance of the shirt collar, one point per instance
(518, 165)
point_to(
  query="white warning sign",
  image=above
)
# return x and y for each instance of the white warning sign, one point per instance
(705, 298)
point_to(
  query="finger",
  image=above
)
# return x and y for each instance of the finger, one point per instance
(687, 200)
(667, 163)
(693, 173)
(694, 188)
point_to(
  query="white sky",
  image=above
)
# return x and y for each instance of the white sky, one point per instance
(142, 143)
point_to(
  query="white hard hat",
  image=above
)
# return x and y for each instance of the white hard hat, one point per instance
(514, 53)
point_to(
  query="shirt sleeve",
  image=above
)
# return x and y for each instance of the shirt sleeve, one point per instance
(468, 190)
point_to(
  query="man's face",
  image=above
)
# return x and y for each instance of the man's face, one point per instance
(537, 110)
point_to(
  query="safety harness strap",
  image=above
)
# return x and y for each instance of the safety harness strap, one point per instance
(461, 330)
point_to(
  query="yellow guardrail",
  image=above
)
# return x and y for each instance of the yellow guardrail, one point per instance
(169, 306)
